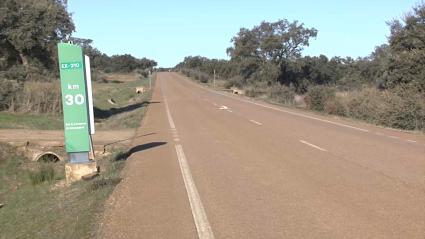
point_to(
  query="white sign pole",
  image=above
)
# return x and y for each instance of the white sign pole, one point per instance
(89, 93)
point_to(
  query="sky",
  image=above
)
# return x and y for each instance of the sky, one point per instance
(167, 31)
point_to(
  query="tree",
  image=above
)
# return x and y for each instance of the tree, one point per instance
(33, 27)
(407, 46)
(271, 42)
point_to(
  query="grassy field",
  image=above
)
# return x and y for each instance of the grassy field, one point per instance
(35, 208)
(118, 106)
(36, 203)
(127, 111)
(30, 121)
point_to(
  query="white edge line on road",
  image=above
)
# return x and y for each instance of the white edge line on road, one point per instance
(285, 111)
(198, 212)
(256, 122)
(170, 119)
(199, 216)
(312, 145)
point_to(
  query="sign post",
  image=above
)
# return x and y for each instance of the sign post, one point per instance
(75, 106)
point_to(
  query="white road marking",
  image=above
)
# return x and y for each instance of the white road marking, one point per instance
(199, 216)
(393, 137)
(286, 111)
(170, 119)
(412, 141)
(223, 107)
(255, 122)
(312, 145)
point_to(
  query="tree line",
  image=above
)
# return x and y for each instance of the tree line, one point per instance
(267, 60)
(29, 33)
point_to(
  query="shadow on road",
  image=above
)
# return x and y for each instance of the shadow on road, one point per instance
(138, 148)
(104, 114)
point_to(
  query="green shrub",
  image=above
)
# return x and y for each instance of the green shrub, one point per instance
(45, 172)
(317, 97)
(335, 107)
(236, 81)
(281, 94)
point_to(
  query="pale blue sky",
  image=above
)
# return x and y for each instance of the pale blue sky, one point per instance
(167, 31)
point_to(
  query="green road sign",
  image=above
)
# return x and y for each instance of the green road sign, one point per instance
(74, 98)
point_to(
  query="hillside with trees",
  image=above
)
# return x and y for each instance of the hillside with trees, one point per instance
(29, 76)
(386, 88)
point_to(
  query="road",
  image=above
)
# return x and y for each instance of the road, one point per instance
(213, 165)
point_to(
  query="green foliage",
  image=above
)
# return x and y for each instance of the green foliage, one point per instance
(281, 94)
(44, 173)
(60, 206)
(20, 29)
(30, 121)
(271, 41)
(318, 96)
(407, 44)
(387, 87)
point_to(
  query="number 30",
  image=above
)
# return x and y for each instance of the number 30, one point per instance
(78, 99)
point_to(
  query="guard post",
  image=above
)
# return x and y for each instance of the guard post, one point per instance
(75, 112)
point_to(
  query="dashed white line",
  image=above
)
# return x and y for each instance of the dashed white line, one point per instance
(199, 216)
(255, 122)
(411, 141)
(312, 145)
(285, 111)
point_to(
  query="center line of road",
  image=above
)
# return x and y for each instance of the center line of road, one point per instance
(255, 122)
(285, 111)
(312, 145)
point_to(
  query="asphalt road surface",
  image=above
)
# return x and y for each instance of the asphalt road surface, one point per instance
(213, 165)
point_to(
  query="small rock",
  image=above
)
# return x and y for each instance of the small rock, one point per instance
(90, 176)
(1, 205)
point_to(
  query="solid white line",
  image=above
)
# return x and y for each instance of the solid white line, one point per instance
(199, 216)
(170, 119)
(412, 141)
(312, 145)
(256, 122)
(286, 111)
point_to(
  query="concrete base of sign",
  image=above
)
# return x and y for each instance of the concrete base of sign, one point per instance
(75, 171)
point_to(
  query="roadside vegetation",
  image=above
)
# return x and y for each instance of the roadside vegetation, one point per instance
(36, 204)
(29, 75)
(385, 88)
